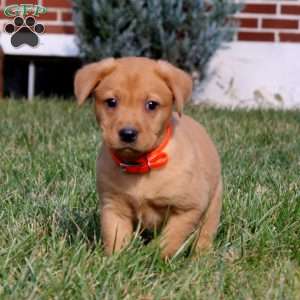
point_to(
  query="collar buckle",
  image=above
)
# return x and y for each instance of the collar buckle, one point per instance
(125, 165)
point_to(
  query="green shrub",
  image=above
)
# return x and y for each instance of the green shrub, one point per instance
(184, 32)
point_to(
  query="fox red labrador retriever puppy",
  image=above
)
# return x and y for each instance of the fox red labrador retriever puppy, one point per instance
(156, 168)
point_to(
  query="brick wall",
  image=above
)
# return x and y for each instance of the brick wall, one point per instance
(261, 20)
(270, 21)
(58, 18)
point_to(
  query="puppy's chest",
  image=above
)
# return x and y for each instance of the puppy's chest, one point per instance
(151, 200)
(149, 192)
(152, 189)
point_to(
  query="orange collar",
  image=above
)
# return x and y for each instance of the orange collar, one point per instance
(151, 160)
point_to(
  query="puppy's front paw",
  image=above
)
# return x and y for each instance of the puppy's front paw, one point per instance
(204, 246)
(167, 253)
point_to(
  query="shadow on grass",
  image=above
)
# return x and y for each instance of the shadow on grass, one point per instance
(75, 224)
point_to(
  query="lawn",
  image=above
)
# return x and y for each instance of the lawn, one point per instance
(50, 246)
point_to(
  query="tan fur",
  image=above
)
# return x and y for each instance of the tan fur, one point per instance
(184, 195)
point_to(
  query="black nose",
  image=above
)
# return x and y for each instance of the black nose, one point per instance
(128, 135)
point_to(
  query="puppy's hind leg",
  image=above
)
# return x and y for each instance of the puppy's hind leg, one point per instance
(210, 222)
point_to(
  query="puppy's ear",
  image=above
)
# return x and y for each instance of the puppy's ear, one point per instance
(179, 82)
(89, 76)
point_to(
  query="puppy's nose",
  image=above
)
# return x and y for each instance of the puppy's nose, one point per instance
(128, 135)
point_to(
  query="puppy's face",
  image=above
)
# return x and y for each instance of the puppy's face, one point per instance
(133, 108)
(134, 99)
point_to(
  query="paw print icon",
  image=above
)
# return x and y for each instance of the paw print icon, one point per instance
(24, 31)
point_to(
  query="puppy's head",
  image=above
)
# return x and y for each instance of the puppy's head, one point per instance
(134, 99)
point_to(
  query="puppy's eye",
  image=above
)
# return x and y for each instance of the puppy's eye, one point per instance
(151, 105)
(111, 102)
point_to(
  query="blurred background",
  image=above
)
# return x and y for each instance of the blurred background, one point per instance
(240, 53)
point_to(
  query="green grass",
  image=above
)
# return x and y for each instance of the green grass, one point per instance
(50, 246)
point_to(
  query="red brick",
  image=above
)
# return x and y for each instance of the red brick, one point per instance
(57, 3)
(248, 22)
(280, 23)
(67, 16)
(290, 37)
(290, 9)
(2, 15)
(11, 2)
(59, 29)
(49, 16)
(260, 8)
(256, 36)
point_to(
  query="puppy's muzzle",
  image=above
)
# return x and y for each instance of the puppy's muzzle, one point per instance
(128, 135)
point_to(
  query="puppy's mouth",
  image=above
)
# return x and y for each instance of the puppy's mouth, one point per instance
(127, 150)
(128, 153)
(131, 151)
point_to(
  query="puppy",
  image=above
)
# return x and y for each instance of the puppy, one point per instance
(156, 168)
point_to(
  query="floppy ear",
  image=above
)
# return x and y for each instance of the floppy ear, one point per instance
(89, 76)
(179, 82)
